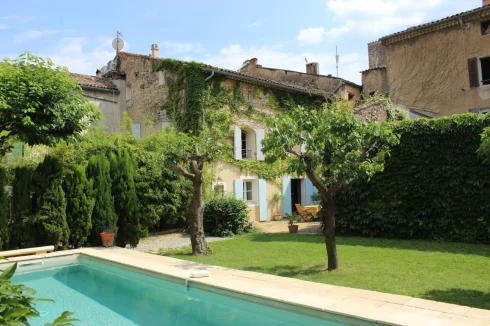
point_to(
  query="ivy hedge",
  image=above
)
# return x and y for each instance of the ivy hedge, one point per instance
(434, 186)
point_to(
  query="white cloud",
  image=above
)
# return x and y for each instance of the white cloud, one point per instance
(82, 55)
(311, 35)
(182, 47)
(378, 17)
(32, 35)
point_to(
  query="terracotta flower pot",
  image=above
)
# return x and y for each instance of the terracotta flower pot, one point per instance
(107, 239)
(293, 228)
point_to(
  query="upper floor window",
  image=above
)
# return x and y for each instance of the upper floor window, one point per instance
(246, 153)
(479, 71)
(485, 27)
(485, 70)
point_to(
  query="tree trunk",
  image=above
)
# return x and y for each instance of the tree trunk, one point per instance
(195, 214)
(330, 232)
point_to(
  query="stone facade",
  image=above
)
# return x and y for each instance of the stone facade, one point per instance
(374, 80)
(377, 55)
(373, 111)
(435, 67)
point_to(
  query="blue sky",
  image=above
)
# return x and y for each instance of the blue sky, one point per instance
(281, 34)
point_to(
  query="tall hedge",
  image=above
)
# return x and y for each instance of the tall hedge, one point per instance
(50, 204)
(21, 228)
(79, 203)
(125, 199)
(103, 215)
(4, 212)
(434, 186)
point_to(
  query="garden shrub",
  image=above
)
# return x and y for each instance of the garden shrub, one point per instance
(103, 215)
(79, 203)
(4, 211)
(226, 216)
(434, 186)
(125, 199)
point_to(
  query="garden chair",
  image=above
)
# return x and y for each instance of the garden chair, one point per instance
(305, 215)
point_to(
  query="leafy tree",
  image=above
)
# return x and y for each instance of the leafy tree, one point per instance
(125, 199)
(79, 203)
(334, 148)
(4, 211)
(40, 103)
(103, 215)
(50, 204)
(187, 154)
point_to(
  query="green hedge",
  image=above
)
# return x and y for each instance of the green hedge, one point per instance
(226, 216)
(434, 186)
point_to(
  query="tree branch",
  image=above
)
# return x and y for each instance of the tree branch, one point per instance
(183, 172)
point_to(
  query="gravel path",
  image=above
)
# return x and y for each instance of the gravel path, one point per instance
(169, 241)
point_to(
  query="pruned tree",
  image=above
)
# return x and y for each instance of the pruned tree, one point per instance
(40, 103)
(188, 154)
(334, 148)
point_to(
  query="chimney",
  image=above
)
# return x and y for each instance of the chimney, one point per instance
(255, 61)
(313, 68)
(154, 50)
(485, 3)
(98, 73)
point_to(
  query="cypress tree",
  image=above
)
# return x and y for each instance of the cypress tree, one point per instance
(4, 211)
(21, 227)
(79, 203)
(50, 204)
(103, 215)
(125, 199)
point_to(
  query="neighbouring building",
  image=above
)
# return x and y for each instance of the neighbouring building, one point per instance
(435, 69)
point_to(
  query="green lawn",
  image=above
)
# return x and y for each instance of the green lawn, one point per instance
(449, 272)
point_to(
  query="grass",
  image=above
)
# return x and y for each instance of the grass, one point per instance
(448, 272)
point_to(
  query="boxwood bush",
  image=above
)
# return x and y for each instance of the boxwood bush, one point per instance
(226, 216)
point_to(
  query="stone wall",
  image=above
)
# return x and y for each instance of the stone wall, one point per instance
(373, 111)
(377, 55)
(374, 80)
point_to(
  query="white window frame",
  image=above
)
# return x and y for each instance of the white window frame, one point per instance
(220, 183)
(248, 191)
(480, 73)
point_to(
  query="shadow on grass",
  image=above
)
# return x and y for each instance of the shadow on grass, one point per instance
(471, 298)
(287, 270)
(417, 245)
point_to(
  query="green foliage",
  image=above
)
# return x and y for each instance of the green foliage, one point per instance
(292, 218)
(40, 103)
(49, 204)
(79, 203)
(287, 102)
(98, 171)
(4, 211)
(339, 147)
(226, 216)
(22, 233)
(17, 304)
(125, 199)
(434, 185)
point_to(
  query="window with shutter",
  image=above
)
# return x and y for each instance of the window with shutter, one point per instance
(485, 27)
(473, 72)
(485, 70)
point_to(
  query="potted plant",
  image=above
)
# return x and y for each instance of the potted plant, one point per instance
(276, 198)
(107, 236)
(293, 219)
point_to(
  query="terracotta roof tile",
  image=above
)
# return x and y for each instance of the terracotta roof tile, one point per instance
(93, 81)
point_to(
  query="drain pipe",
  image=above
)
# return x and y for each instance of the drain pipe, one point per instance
(210, 76)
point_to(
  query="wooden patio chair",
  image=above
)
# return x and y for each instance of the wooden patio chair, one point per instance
(306, 216)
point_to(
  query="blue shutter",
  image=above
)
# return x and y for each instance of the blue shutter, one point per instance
(259, 136)
(238, 188)
(136, 131)
(237, 143)
(262, 200)
(286, 194)
(310, 190)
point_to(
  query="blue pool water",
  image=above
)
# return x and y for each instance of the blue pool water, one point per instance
(106, 294)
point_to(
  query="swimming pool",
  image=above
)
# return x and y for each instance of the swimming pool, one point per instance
(103, 293)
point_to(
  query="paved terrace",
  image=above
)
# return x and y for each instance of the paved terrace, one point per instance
(366, 305)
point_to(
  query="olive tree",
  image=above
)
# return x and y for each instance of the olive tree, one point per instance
(334, 148)
(188, 154)
(40, 103)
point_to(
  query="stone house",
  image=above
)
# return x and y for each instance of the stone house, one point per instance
(435, 69)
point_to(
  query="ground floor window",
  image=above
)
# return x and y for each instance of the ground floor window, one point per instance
(247, 191)
(219, 188)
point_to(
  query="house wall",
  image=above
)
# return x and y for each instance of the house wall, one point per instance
(109, 104)
(321, 82)
(431, 71)
(374, 80)
(373, 111)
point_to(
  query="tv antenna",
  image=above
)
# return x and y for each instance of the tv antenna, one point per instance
(118, 43)
(306, 60)
(337, 57)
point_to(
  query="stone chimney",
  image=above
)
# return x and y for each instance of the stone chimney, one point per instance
(154, 50)
(98, 73)
(313, 68)
(485, 3)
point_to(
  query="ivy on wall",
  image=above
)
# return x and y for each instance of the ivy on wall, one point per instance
(434, 186)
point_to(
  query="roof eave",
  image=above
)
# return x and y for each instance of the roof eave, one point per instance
(92, 88)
